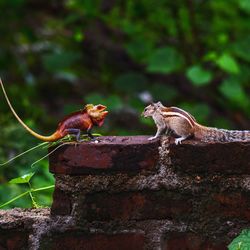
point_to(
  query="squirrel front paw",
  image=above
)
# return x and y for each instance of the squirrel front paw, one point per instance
(179, 140)
(152, 138)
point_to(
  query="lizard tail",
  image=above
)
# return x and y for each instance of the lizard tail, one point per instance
(54, 137)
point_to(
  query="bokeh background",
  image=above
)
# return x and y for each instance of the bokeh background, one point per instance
(56, 56)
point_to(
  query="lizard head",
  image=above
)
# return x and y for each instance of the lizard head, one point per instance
(97, 113)
(151, 109)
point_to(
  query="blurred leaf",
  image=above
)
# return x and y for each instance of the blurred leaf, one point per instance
(78, 36)
(228, 63)
(89, 8)
(113, 102)
(136, 103)
(222, 122)
(242, 49)
(163, 92)
(245, 5)
(69, 108)
(222, 38)
(147, 121)
(165, 60)
(200, 111)
(12, 3)
(241, 242)
(198, 76)
(60, 60)
(244, 76)
(232, 89)
(130, 82)
(211, 56)
(139, 49)
(22, 179)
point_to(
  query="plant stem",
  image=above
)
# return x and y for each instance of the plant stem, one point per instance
(25, 193)
(16, 198)
(34, 204)
(25, 152)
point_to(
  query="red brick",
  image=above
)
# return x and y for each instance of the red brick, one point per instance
(190, 241)
(81, 241)
(113, 153)
(136, 205)
(229, 205)
(199, 157)
(13, 240)
(62, 204)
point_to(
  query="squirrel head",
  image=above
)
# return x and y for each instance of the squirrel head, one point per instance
(151, 109)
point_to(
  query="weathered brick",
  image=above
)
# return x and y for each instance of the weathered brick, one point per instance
(13, 240)
(136, 205)
(62, 204)
(113, 153)
(99, 241)
(229, 205)
(199, 157)
(190, 241)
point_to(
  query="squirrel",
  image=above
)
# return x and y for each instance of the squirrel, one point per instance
(83, 120)
(184, 125)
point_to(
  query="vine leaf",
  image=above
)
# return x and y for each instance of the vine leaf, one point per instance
(241, 242)
(22, 179)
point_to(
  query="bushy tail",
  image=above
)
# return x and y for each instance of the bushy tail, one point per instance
(224, 135)
(221, 135)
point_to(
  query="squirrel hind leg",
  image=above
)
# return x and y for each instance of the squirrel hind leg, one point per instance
(180, 139)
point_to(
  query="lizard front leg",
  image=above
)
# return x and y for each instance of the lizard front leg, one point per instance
(89, 132)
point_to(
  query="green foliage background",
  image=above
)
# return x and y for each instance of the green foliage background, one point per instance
(56, 56)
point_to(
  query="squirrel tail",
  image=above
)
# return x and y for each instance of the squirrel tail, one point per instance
(224, 135)
(221, 135)
(234, 135)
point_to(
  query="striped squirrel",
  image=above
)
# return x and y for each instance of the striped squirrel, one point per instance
(184, 125)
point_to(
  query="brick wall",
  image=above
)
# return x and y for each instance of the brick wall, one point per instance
(131, 193)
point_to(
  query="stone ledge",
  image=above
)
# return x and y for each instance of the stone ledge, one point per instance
(111, 153)
(136, 153)
(76, 239)
(191, 241)
(210, 158)
(54, 232)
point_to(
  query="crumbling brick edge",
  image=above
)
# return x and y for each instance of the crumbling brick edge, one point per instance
(166, 207)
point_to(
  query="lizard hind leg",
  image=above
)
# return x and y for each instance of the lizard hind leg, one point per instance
(76, 132)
